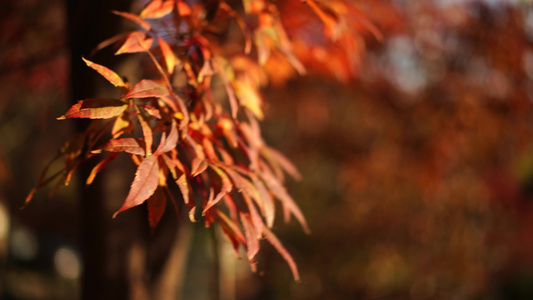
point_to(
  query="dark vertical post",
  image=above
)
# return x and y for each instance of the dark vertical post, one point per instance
(90, 22)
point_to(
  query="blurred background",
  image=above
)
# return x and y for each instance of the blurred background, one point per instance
(417, 166)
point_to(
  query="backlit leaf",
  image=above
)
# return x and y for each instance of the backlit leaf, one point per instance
(183, 8)
(98, 108)
(99, 167)
(144, 184)
(147, 88)
(184, 187)
(170, 58)
(136, 19)
(107, 73)
(157, 9)
(137, 41)
(249, 97)
(122, 124)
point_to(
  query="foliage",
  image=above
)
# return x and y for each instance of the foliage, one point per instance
(194, 122)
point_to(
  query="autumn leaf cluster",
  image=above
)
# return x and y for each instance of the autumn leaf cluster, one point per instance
(196, 124)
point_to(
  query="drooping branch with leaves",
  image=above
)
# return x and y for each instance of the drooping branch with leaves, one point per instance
(196, 123)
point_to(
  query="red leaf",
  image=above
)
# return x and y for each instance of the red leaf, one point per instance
(147, 88)
(100, 166)
(137, 41)
(144, 184)
(198, 166)
(170, 142)
(136, 19)
(128, 145)
(157, 9)
(156, 207)
(107, 73)
(272, 239)
(252, 243)
(97, 108)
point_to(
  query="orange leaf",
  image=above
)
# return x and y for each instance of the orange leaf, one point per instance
(147, 88)
(156, 207)
(144, 184)
(137, 41)
(170, 142)
(170, 59)
(136, 19)
(107, 73)
(272, 239)
(128, 145)
(99, 167)
(97, 108)
(157, 9)
(183, 8)
(184, 188)
(198, 166)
